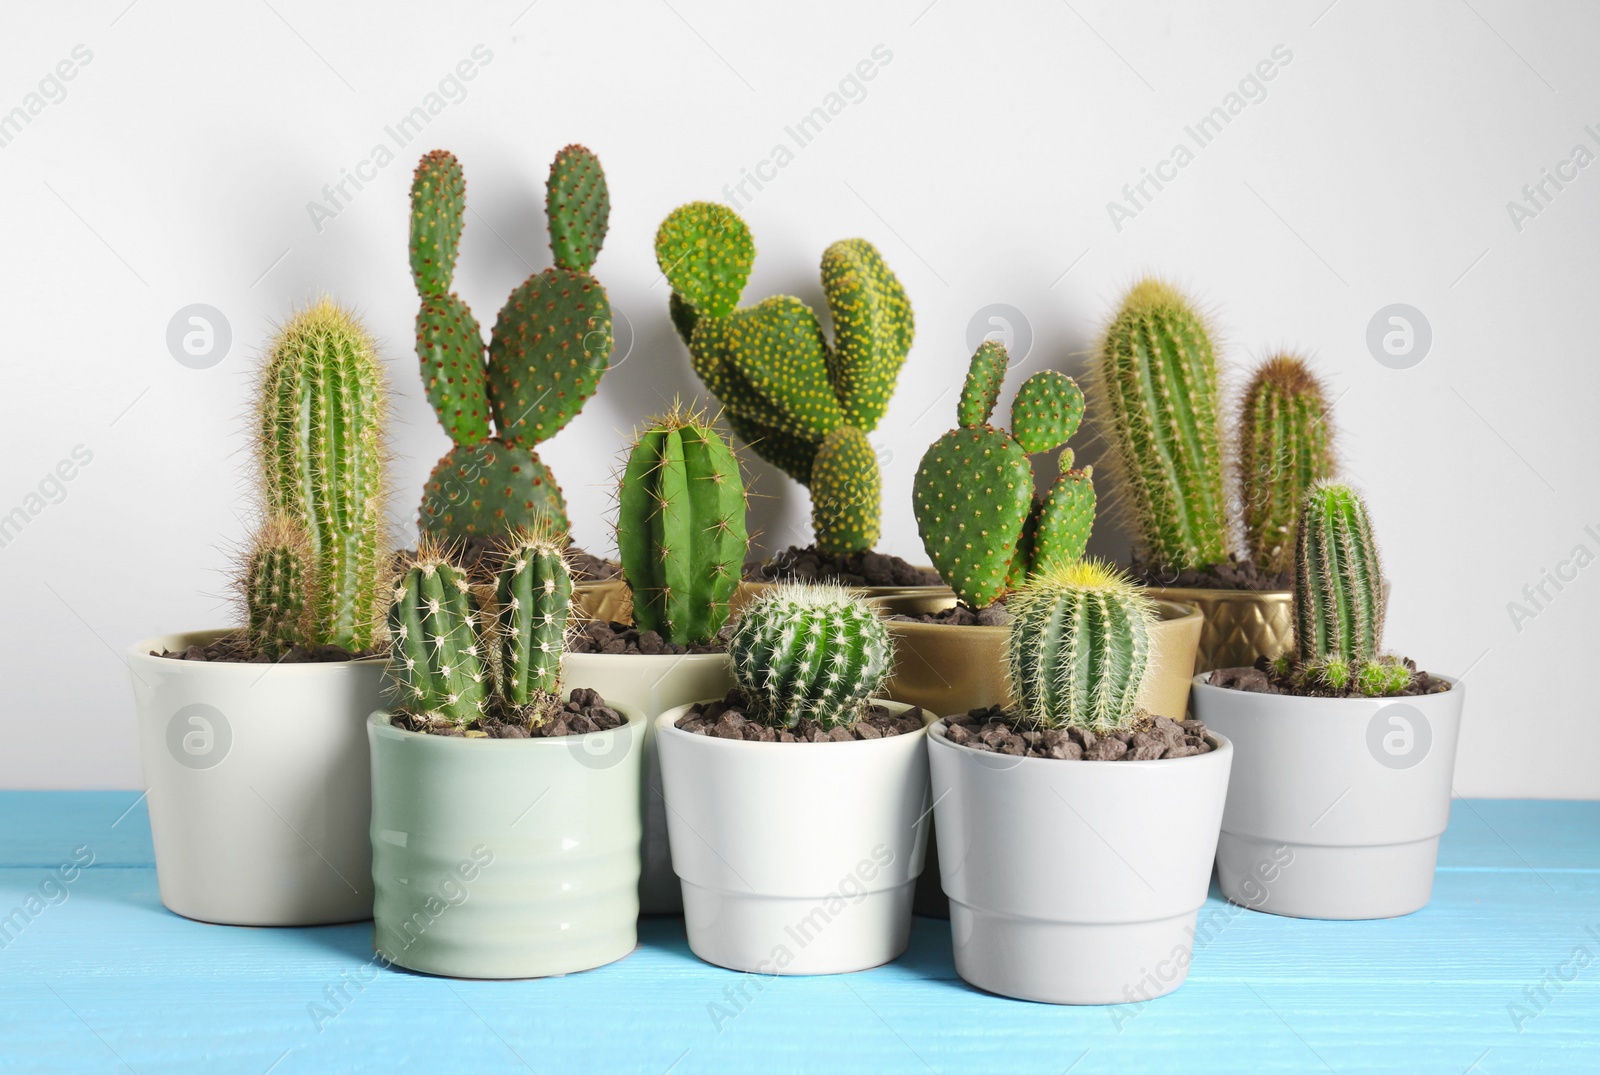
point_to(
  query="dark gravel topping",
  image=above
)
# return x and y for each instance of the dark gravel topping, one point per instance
(868, 568)
(726, 720)
(235, 648)
(992, 729)
(1264, 679)
(1236, 574)
(962, 615)
(584, 712)
(592, 636)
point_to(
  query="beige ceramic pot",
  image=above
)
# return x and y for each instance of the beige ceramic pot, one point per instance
(1240, 625)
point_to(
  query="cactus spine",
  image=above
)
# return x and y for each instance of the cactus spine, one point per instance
(1338, 581)
(802, 405)
(1158, 376)
(809, 652)
(319, 427)
(550, 345)
(681, 532)
(275, 581)
(437, 663)
(1079, 647)
(1285, 448)
(973, 494)
(533, 596)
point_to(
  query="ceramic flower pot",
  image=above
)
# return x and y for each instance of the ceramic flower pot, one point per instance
(1337, 804)
(1075, 882)
(257, 784)
(653, 685)
(795, 858)
(505, 858)
(1240, 625)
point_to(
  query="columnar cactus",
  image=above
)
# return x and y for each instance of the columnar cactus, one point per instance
(681, 532)
(550, 345)
(1285, 448)
(275, 580)
(1159, 382)
(1079, 647)
(800, 404)
(973, 495)
(533, 596)
(1338, 580)
(809, 651)
(436, 658)
(319, 431)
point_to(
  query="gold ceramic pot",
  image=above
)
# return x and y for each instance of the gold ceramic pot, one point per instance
(1240, 625)
(949, 670)
(612, 602)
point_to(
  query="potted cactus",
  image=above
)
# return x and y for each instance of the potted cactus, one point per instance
(505, 817)
(1076, 831)
(1345, 754)
(682, 539)
(1159, 387)
(795, 802)
(251, 741)
(802, 405)
(550, 345)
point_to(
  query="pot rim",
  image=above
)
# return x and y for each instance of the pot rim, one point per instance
(1182, 593)
(1222, 748)
(1457, 690)
(379, 720)
(140, 651)
(1165, 607)
(675, 658)
(666, 726)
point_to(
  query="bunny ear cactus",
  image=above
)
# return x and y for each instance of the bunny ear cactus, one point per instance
(533, 598)
(550, 345)
(1285, 448)
(973, 494)
(809, 651)
(437, 663)
(1160, 386)
(1079, 648)
(793, 397)
(681, 532)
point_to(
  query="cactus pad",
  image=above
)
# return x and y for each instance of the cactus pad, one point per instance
(972, 495)
(1064, 518)
(981, 390)
(551, 343)
(450, 347)
(578, 208)
(438, 199)
(705, 251)
(872, 329)
(487, 487)
(1046, 411)
(846, 492)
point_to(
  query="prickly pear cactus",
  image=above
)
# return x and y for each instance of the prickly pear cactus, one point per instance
(1338, 580)
(578, 207)
(438, 200)
(276, 581)
(809, 651)
(437, 665)
(533, 596)
(1285, 448)
(487, 488)
(1079, 647)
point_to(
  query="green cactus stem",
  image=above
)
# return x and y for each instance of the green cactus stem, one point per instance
(807, 651)
(436, 661)
(578, 208)
(1338, 580)
(846, 492)
(438, 200)
(275, 582)
(1285, 448)
(1079, 648)
(533, 596)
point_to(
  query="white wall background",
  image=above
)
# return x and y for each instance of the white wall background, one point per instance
(179, 165)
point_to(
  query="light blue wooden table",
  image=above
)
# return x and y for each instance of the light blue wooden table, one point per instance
(1501, 973)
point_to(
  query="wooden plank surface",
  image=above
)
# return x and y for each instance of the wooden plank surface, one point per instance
(105, 979)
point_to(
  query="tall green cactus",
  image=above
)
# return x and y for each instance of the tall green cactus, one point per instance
(319, 431)
(550, 345)
(275, 581)
(436, 659)
(804, 406)
(809, 651)
(973, 495)
(681, 532)
(1079, 647)
(533, 596)
(1159, 382)
(1338, 580)
(1285, 448)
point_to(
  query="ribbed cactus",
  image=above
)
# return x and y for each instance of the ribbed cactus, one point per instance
(1158, 380)
(793, 398)
(319, 431)
(681, 532)
(437, 662)
(1285, 448)
(1079, 647)
(973, 494)
(275, 581)
(1338, 580)
(533, 596)
(551, 343)
(809, 651)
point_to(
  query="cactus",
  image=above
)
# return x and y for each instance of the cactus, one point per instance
(549, 347)
(533, 596)
(1285, 448)
(786, 392)
(275, 581)
(1157, 374)
(973, 494)
(436, 659)
(1338, 580)
(1079, 647)
(319, 428)
(809, 651)
(681, 532)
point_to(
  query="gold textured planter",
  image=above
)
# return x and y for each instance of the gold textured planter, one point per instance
(612, 602)
(1240, 625)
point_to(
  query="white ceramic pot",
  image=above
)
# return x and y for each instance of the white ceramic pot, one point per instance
(257, 784)
(1075, 882)
(653, 685)
(795, 858)
(505, 858)
(1337, 804)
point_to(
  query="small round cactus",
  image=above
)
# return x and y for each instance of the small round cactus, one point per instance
(436, 658)
(275, 581)
(806, 651)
